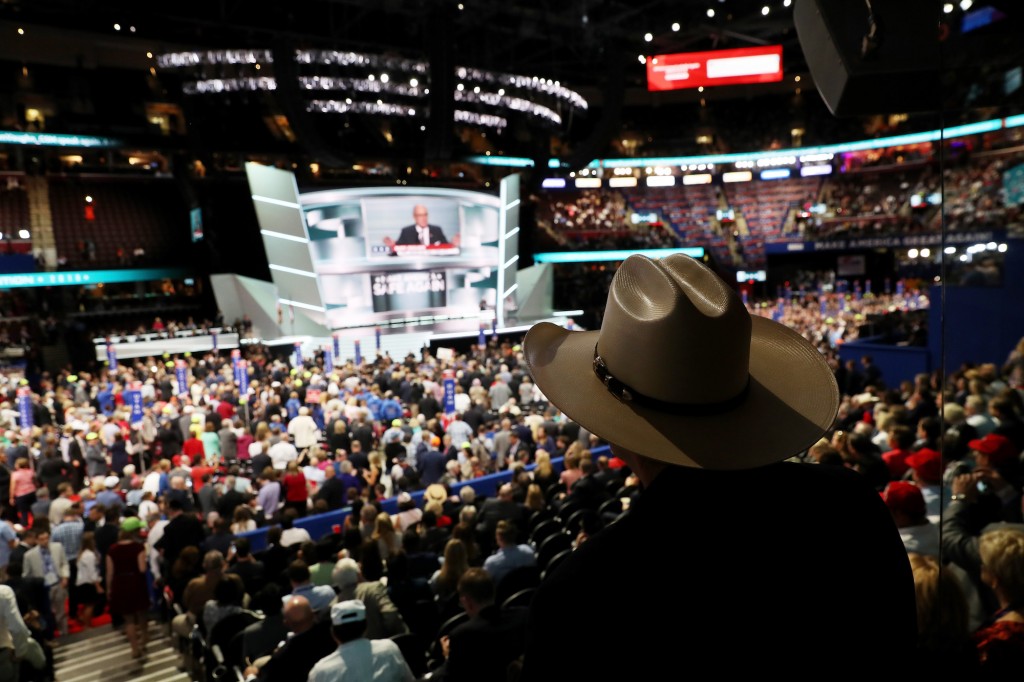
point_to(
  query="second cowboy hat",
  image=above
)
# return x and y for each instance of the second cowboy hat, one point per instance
(682, 373)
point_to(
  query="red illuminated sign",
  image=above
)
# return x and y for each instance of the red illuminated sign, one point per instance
(718, 67)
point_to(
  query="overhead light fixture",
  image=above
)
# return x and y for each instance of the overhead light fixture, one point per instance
(711, 13)
(675, 26)
(765, 10)
(648, 37)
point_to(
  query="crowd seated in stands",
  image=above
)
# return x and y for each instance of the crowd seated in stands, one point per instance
(196, 459)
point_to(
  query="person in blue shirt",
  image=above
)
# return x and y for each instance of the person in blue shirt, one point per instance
(373, 404)
(105, 398)
(292, 405)
(390, 408)
(510, 554)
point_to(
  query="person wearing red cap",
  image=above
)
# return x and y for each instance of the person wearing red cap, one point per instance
(925, 467)
(901, 438)
(999, 453)
(906, 504)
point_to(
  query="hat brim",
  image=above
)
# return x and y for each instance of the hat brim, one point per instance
(792, 401)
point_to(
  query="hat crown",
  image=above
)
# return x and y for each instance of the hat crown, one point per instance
(675, 332)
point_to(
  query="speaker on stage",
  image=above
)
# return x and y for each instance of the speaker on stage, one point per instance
(872, 56)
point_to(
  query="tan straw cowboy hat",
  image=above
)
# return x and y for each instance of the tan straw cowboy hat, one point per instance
(682, 373)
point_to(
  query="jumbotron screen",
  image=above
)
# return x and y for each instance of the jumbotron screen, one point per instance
(683, 70)
(384, 253)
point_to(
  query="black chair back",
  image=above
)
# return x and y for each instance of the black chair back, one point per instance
(545, 530)
(413, 650)
(515, 580)
(581, 519)
(520, 599)
(552, 546)
(554, 562)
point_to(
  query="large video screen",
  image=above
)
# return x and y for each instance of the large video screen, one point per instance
(384, 254)
(681, 70)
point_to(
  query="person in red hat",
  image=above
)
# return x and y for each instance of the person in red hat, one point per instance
(999, 453)
(925, 467)
(905, 501)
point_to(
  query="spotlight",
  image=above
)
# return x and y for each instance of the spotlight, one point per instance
(966, 4)
(675, 26)
(711, 13)
(912, 253)
(925, 253)
(23, 234)
(648, 37)
(764, 11)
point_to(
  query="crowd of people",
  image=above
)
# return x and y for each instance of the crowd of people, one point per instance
(107, 512)
(104, 513)
(176, 488)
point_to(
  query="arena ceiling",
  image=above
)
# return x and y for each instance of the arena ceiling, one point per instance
(573, 41)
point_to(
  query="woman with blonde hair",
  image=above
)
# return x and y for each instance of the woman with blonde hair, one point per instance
(211, 443)
(376, 472)
(535, 500)
(260, 436)
(339, 439)
(445, 580)
(23, 489)
(943, 633)
(1000, 641)
(296, 491)
(389, 542)
(544, 474)
(572, 472)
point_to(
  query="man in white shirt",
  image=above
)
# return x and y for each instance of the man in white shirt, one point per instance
(156, 531)
(303, 430)
(15, 635)
(358, 658)
(282, 452)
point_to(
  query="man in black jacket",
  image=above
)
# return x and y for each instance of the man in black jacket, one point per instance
(183, 530)
(332, 491)
(484, 647)
(705, 403)
(310, 641)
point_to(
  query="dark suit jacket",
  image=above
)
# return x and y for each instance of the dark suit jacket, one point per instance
(300, 653)
(332, 491)
(493, 511)
(180, 532)
(259, 463)
(699, 549)
(481, 649)
(410, 236)
(430, 466)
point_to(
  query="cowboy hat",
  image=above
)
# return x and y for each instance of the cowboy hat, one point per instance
(682, 373)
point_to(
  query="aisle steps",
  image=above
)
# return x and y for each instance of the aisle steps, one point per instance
(104, 655)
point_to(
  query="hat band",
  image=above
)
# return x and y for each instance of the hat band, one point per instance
(627, 394)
